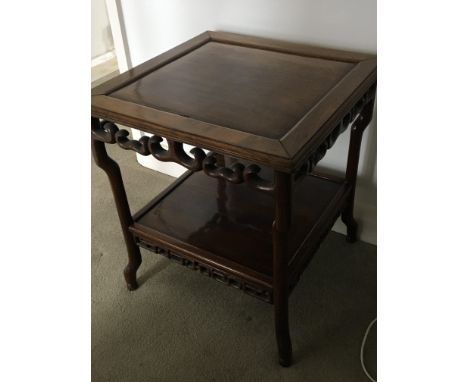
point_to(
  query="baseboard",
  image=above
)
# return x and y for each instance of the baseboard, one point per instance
(99, 60)
(168, 168)
(103, 68)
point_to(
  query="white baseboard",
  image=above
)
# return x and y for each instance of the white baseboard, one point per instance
(103, 68)
(168, 168)
(102, 58)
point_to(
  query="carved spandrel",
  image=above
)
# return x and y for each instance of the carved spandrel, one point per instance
(233, 174)
(176, 153)
(108, 132)
(237, 173)
(103, 131)
(254, 180)
(140, 146)
(349, 119)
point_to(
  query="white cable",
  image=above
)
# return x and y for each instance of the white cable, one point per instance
(362, 349)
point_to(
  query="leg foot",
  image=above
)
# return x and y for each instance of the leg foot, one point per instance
(130, 278)
(130, 271)
(351, 224)
(351, 229)
(283, 338)
(285, 360)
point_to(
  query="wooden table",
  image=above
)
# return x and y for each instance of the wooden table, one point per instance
(250, 211)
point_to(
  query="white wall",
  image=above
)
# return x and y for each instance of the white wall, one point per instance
(154, 26)
(101, 37)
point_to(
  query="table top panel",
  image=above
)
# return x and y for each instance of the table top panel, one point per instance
(266, 101)
(248, 89)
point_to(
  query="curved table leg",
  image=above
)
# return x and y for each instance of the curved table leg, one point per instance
(352, 168)
(112, 170)
(280, 265)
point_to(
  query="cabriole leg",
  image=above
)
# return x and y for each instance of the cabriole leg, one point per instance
(280, 265)
(112, 170)
(352, 168)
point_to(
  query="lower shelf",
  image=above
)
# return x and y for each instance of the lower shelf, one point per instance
(224, 229)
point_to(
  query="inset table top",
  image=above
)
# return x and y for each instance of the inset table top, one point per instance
(261, 100)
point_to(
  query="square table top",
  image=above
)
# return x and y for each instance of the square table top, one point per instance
(266, 101)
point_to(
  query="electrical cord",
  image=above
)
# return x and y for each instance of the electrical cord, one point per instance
(362, 350)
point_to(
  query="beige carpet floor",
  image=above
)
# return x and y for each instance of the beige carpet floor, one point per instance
(182, 326)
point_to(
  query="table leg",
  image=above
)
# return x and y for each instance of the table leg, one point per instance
(280, 265)
(357, 130)
(112, 170)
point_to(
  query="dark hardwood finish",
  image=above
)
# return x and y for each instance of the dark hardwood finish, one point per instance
(176, 153)
(357, 130)
(269, 103)
(281, 237)
(256, 91)
(267, 111)
(213, 165)
(237, 173)
(234, 174)
(229, 227)
(358, 109)
(115, 178)
(208, 269)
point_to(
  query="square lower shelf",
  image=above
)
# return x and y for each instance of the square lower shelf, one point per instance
(225, 230)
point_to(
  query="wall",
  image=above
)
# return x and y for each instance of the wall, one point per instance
(101, 37)
(154, 26)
